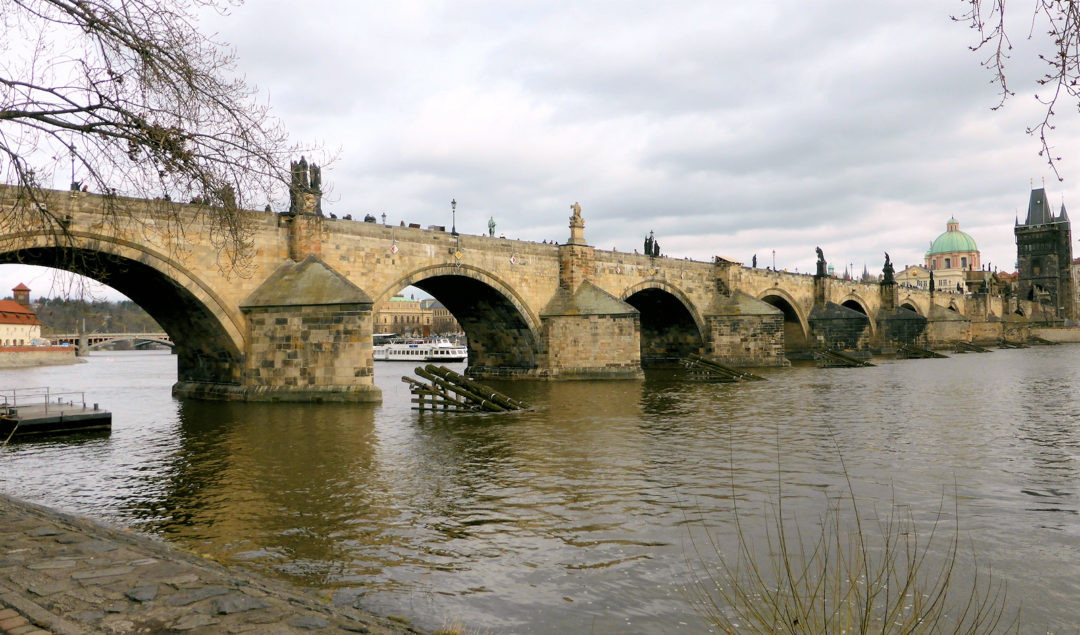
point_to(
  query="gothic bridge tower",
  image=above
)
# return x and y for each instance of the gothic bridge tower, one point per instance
(1044, 257)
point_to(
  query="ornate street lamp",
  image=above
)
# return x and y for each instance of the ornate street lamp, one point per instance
(453, 212)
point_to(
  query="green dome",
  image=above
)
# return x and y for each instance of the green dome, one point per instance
(953, 240)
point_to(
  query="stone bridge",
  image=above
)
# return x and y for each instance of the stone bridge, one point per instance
(86, 341)
(295, 322)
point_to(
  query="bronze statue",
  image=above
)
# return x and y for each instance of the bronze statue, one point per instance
(887, 271)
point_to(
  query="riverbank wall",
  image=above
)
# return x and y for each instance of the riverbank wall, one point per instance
(1066, 334)
(68, 575)
(30, 356)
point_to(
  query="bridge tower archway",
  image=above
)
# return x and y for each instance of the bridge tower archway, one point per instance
(502, 332)
(796, 329)
(208, 340)
(671, 329)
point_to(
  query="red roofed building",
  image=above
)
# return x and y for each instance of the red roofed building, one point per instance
(19, 325)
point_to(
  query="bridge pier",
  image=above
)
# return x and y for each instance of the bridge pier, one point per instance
(588, 333)
(897, 326)
(741, 330)
(309, 340)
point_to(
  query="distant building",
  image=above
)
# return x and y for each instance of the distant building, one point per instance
(951, 255)
(19, 325)
(1044, 257)
(409, 316)
(916, 276)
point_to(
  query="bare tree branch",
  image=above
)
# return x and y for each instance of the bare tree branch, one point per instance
(140, 103)
(1061, 21)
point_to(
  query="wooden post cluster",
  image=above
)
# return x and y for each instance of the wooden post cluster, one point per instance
(706, 369)
(835, 359)
(449, 390)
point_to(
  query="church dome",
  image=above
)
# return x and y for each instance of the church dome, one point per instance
(952, 241)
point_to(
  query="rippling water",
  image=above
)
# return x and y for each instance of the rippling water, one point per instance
(577, 516)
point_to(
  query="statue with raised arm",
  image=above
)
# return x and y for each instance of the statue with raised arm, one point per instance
(887, 271)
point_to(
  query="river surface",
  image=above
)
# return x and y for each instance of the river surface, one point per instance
(583, 514)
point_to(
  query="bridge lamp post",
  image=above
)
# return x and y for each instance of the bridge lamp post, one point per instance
(453, 213)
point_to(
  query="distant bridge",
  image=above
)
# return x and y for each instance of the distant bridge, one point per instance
(296, 324)
(97, 340)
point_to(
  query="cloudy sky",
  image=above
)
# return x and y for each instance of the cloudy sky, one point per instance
(730, 128)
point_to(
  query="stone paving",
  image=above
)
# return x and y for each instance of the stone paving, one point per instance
(65, 575)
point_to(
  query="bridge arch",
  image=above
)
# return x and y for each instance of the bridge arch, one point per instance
(954, 307)
(796, 327)
(912, 305)
(854, 302)
(501, 329)
(135, 339)
(671, 326)
(209, 339)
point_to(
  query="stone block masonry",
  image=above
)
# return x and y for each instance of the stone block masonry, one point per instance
(752, 340)
(27, 356)
(593, 347)
(309, 350)
(65, 575)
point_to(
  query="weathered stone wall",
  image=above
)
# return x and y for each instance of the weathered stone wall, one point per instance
(1014, 328)
(27, 356)
(900, 327)
(751, 340)
(945, 327)
(986, 331)
(310, 353)
(840, 328)
(593, 346)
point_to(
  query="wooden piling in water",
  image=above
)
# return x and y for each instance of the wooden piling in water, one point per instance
(451, 391)
(829, 358)
(707, 369)
(908, 351)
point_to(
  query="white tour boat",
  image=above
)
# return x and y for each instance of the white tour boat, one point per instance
(432, 349)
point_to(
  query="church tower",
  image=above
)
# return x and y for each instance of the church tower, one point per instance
(1044, 256)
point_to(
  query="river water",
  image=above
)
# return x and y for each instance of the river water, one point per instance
(583, 514)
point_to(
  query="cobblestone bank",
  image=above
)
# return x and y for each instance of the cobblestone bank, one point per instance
(65, 575)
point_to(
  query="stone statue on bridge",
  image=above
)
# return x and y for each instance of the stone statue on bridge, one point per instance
(491, 226)
(887, 271)
(577, 226)
(820, 263)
